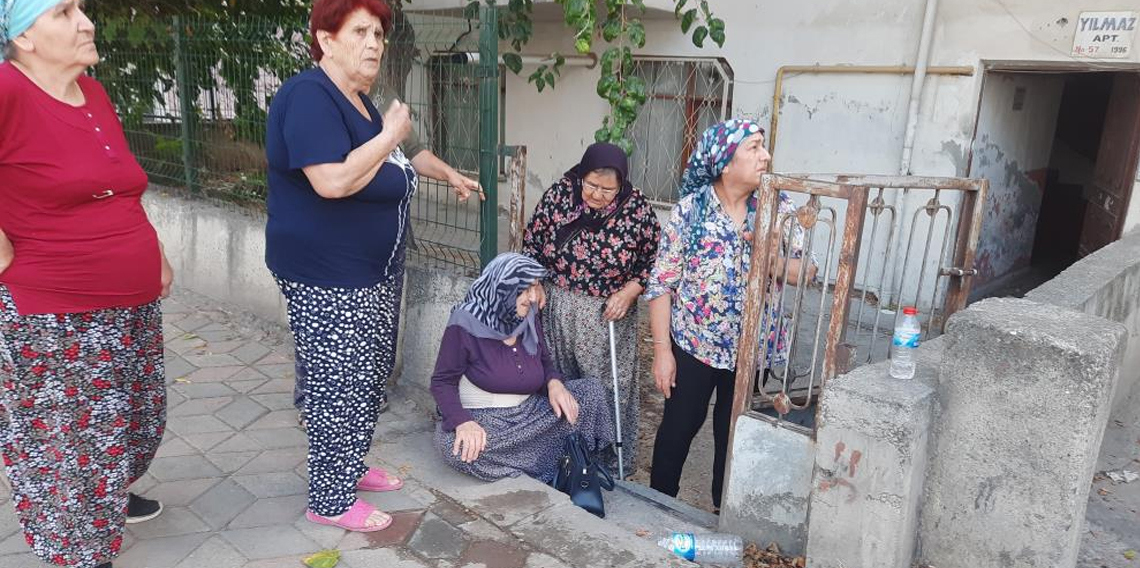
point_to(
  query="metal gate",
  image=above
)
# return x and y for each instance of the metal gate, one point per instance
(897, 234)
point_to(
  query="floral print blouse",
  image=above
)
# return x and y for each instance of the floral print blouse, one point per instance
(597, 263)
(708, 280)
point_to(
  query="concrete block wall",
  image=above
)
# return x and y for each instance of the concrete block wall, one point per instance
(872, 438)
(1023, 396)
(1107, 284)
(217, 251)
(766, 491)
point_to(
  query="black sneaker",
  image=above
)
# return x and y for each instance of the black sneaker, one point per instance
(141, 509)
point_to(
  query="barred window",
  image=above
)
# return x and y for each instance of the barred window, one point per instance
(454, 101)
(686, 96)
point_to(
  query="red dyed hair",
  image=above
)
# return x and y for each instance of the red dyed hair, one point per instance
(330, 15)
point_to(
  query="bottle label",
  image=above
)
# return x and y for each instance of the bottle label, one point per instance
(906, 339)
(684, 545)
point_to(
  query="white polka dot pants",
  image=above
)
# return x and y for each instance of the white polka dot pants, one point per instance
(344, 339)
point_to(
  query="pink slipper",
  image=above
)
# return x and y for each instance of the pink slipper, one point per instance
(377, 480)
(354, 519)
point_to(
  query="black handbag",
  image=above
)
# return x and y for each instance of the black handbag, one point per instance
(581, 478)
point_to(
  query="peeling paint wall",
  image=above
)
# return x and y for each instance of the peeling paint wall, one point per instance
(1011, 144)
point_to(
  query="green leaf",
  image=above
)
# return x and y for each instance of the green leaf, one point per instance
(1130, 554)
(513, 61)
(640, 5)
(718, 37)
(602, 134)
(606, 85)
(625, 144)
(471, 12)
(576, 9)
(699, 36)
(323, 559)
(549, 78)
(629, 104)
(636, 32)
(540, 83)
(611, 30)
(582, 45)
(716, 31)
(680, 6)
(608, 58)
(626, 60)
(705, 8)
(687, 20)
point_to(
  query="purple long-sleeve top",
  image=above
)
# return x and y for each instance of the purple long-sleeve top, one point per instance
(490, 365)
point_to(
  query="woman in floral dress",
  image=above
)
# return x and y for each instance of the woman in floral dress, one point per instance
(597, 235)
(696, 294)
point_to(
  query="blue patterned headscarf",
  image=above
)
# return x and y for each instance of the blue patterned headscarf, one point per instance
(713, 153)
(489, 310)
(16, 16)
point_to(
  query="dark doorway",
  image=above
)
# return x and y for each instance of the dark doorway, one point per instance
(1080, 122)
(1076, 200)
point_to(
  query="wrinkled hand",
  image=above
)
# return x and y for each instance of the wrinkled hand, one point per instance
(618, 305)
(465, 186)
(471, 440)
(398, 118)
(562, 401)
(167, 278)
(7, 253)
(665, 372)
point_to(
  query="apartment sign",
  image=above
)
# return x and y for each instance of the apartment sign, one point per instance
(1105, 35)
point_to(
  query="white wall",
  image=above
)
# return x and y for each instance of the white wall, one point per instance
(1009, 144)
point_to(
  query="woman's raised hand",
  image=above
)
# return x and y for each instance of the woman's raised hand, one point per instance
(470, 441)
(398, 118)
(562, 401)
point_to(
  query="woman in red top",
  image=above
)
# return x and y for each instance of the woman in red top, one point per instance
(82, 391)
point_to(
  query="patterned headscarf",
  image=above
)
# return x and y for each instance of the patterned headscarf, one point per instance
(489, 310)
(713, 153)
(16, 16)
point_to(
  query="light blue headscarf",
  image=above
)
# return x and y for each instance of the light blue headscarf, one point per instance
(16, 16)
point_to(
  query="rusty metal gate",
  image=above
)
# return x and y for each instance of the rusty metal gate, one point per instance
(880, 241)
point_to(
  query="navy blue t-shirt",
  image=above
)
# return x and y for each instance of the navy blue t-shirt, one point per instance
(345, 243)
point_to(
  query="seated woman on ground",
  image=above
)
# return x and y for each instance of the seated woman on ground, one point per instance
(505, 410)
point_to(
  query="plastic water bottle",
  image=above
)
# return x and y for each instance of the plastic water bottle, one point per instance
(713, 548)
(904, 343)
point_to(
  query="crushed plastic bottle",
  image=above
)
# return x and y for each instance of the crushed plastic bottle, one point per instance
(711, 548)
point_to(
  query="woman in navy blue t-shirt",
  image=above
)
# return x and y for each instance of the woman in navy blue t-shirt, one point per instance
(339, 193)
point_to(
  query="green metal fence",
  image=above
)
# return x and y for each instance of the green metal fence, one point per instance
(193, 96)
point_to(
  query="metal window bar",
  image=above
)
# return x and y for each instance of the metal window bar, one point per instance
(686, 96)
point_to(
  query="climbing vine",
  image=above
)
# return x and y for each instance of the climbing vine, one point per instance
(619, 27)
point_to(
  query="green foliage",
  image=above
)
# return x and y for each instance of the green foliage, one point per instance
(618, 27)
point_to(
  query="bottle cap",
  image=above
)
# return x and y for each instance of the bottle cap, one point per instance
(910, 311)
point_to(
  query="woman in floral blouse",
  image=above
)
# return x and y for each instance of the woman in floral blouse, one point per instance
(696, 294)
(597, 235)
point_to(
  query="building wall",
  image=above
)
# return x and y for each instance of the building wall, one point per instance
(1010, 145)
(829, 123)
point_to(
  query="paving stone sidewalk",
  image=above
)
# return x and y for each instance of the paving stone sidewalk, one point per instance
(231, 472)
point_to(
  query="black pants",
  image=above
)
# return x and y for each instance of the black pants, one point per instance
(685, 412)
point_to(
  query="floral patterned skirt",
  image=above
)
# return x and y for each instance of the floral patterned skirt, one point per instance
(82, 412)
